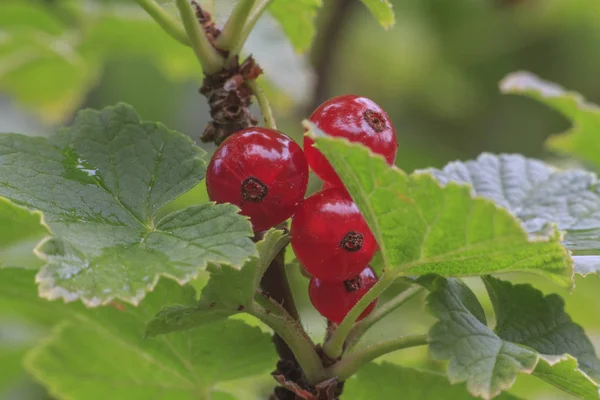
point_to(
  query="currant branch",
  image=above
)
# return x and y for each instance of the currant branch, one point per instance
(263, 103)
(165, 21)
(242, 35)
(334, 347)
(211, 61)
(362, 326)
(353, 360)
(234, 26)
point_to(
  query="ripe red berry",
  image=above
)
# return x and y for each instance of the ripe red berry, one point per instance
(357, 119)
(335, 300)
(262, 171)
(330, 237)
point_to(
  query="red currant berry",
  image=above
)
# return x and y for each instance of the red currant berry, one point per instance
(335, 300)
(357, 119)
(330, 237)
(262, 171)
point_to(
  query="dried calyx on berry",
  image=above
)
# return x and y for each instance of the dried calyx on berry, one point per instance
(263, 172)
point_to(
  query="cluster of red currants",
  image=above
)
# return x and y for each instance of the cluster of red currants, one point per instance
(265, 173)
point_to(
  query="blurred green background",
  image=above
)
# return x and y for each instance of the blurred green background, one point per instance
(436, 73)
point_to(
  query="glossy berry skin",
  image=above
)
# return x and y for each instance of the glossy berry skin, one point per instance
(262, 171)
(335, 300)
(330, 237)
(357, 119)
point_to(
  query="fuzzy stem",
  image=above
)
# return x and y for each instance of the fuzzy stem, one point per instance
(361, 327)
(263, 103)
(168, 23)
(251, 20)
(208, 56)
(334, 347)
(235, 25)
(355, 359)
(297, 340)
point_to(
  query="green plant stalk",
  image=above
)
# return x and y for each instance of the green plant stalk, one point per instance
(234, 25)
(361, 327)
(352, 361)
(263, 103)
(297, 340)
(334, 347)
(251, 20)
(168, 23)
(208, 56)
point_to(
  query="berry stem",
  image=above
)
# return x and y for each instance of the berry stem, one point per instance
(263, 103)
(296, 339)
(334, 347)
(168, 23)
(251, 20)
(357, 358)
(362, 326)
(209, 58)
(235, 25)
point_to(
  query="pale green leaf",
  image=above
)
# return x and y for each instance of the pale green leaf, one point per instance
(389, 381)
(228, 291)
(21, 230)
(126, 366)
(382, 10)
(526, 317)
(476, 355)
(539, 196)
(533, 335)
(297, 19)
(583, 139)
(423, 228)
(99, 185)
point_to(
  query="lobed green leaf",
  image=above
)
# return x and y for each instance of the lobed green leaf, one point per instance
(228, 291)
(582, 140)
(422, 227)
(540, 196)
(389, 381)
(127, 366)
(533, 335)
(382, 11)
(100, 184)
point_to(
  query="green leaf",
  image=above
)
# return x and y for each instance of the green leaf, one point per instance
(389, 381)
(126, 366)
(582, 140)
(526, 317)
(36, 44)
(533, 336)
(228, 291)
(423, 228)
(539, 196)
(476, 355)
(297, 19)
(41, 40)
(382, 10)
(99, 184)
(21, 231)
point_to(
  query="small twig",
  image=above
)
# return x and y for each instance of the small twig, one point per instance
(251, 20)
(355, 359)
(234, 25)
(361, 327)
(211, 61)
(165, 20)
(334, 347)
(263, 103)
(296, 339)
